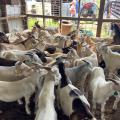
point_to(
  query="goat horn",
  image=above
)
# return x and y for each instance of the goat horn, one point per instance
(113, 80)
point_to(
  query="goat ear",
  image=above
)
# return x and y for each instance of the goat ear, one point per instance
(18, 63)
(17, 67)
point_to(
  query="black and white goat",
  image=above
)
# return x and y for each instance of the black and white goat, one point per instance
(71, 100)
(20, 55)
(79, 74)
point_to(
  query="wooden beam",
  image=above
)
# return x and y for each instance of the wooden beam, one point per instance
(23, 13)
(111, 20)
(12, 17)
(70, 18)
(78, 15)
(43, 11)
(63, 18)
(61, 14)
(4, 22)
(100, 18)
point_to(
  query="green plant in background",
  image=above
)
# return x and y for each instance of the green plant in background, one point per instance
(48, 22)
(31, 22)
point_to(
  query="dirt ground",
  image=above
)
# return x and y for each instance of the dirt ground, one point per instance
(14, 111)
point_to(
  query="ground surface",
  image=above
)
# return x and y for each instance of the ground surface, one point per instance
(13, 111)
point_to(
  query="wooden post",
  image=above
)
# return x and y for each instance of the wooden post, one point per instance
(23, 12)
(4, 22)
(100, 18)
(60, 8)
(43, 11)
(78, 15)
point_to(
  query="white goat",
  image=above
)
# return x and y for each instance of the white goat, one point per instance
(46, 110)
(102, 89)
(14, 73)
(112, 59)
(13, 91)
(76, 60)
(92, 59)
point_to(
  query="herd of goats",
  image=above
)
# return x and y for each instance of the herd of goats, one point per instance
(62, 71)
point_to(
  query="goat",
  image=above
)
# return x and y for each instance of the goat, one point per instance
(19, 55)
(29, 43)
(41, 54)
(12, 91)
(79, 74)
(111, 59)
(13, 73)
(46, 110)
(72, 101)
(76, 60)
(92, 58)
(102, 89)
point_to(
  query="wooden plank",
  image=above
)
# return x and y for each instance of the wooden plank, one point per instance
(12, 17)
(23, 12)
(60, 15)
(4, 22)
(63, 18)
(100, 18)
(111, 20)
(78, 15)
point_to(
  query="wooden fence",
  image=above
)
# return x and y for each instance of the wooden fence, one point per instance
(6, 20)
(100, 20)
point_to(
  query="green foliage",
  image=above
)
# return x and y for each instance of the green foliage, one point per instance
(49, 22)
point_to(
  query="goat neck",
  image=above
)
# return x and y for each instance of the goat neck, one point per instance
(64, 79)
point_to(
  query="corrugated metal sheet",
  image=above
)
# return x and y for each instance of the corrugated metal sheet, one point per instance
(115, 8)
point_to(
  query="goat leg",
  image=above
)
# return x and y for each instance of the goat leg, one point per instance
(116, 102)
(27, 98)
(102, 111)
